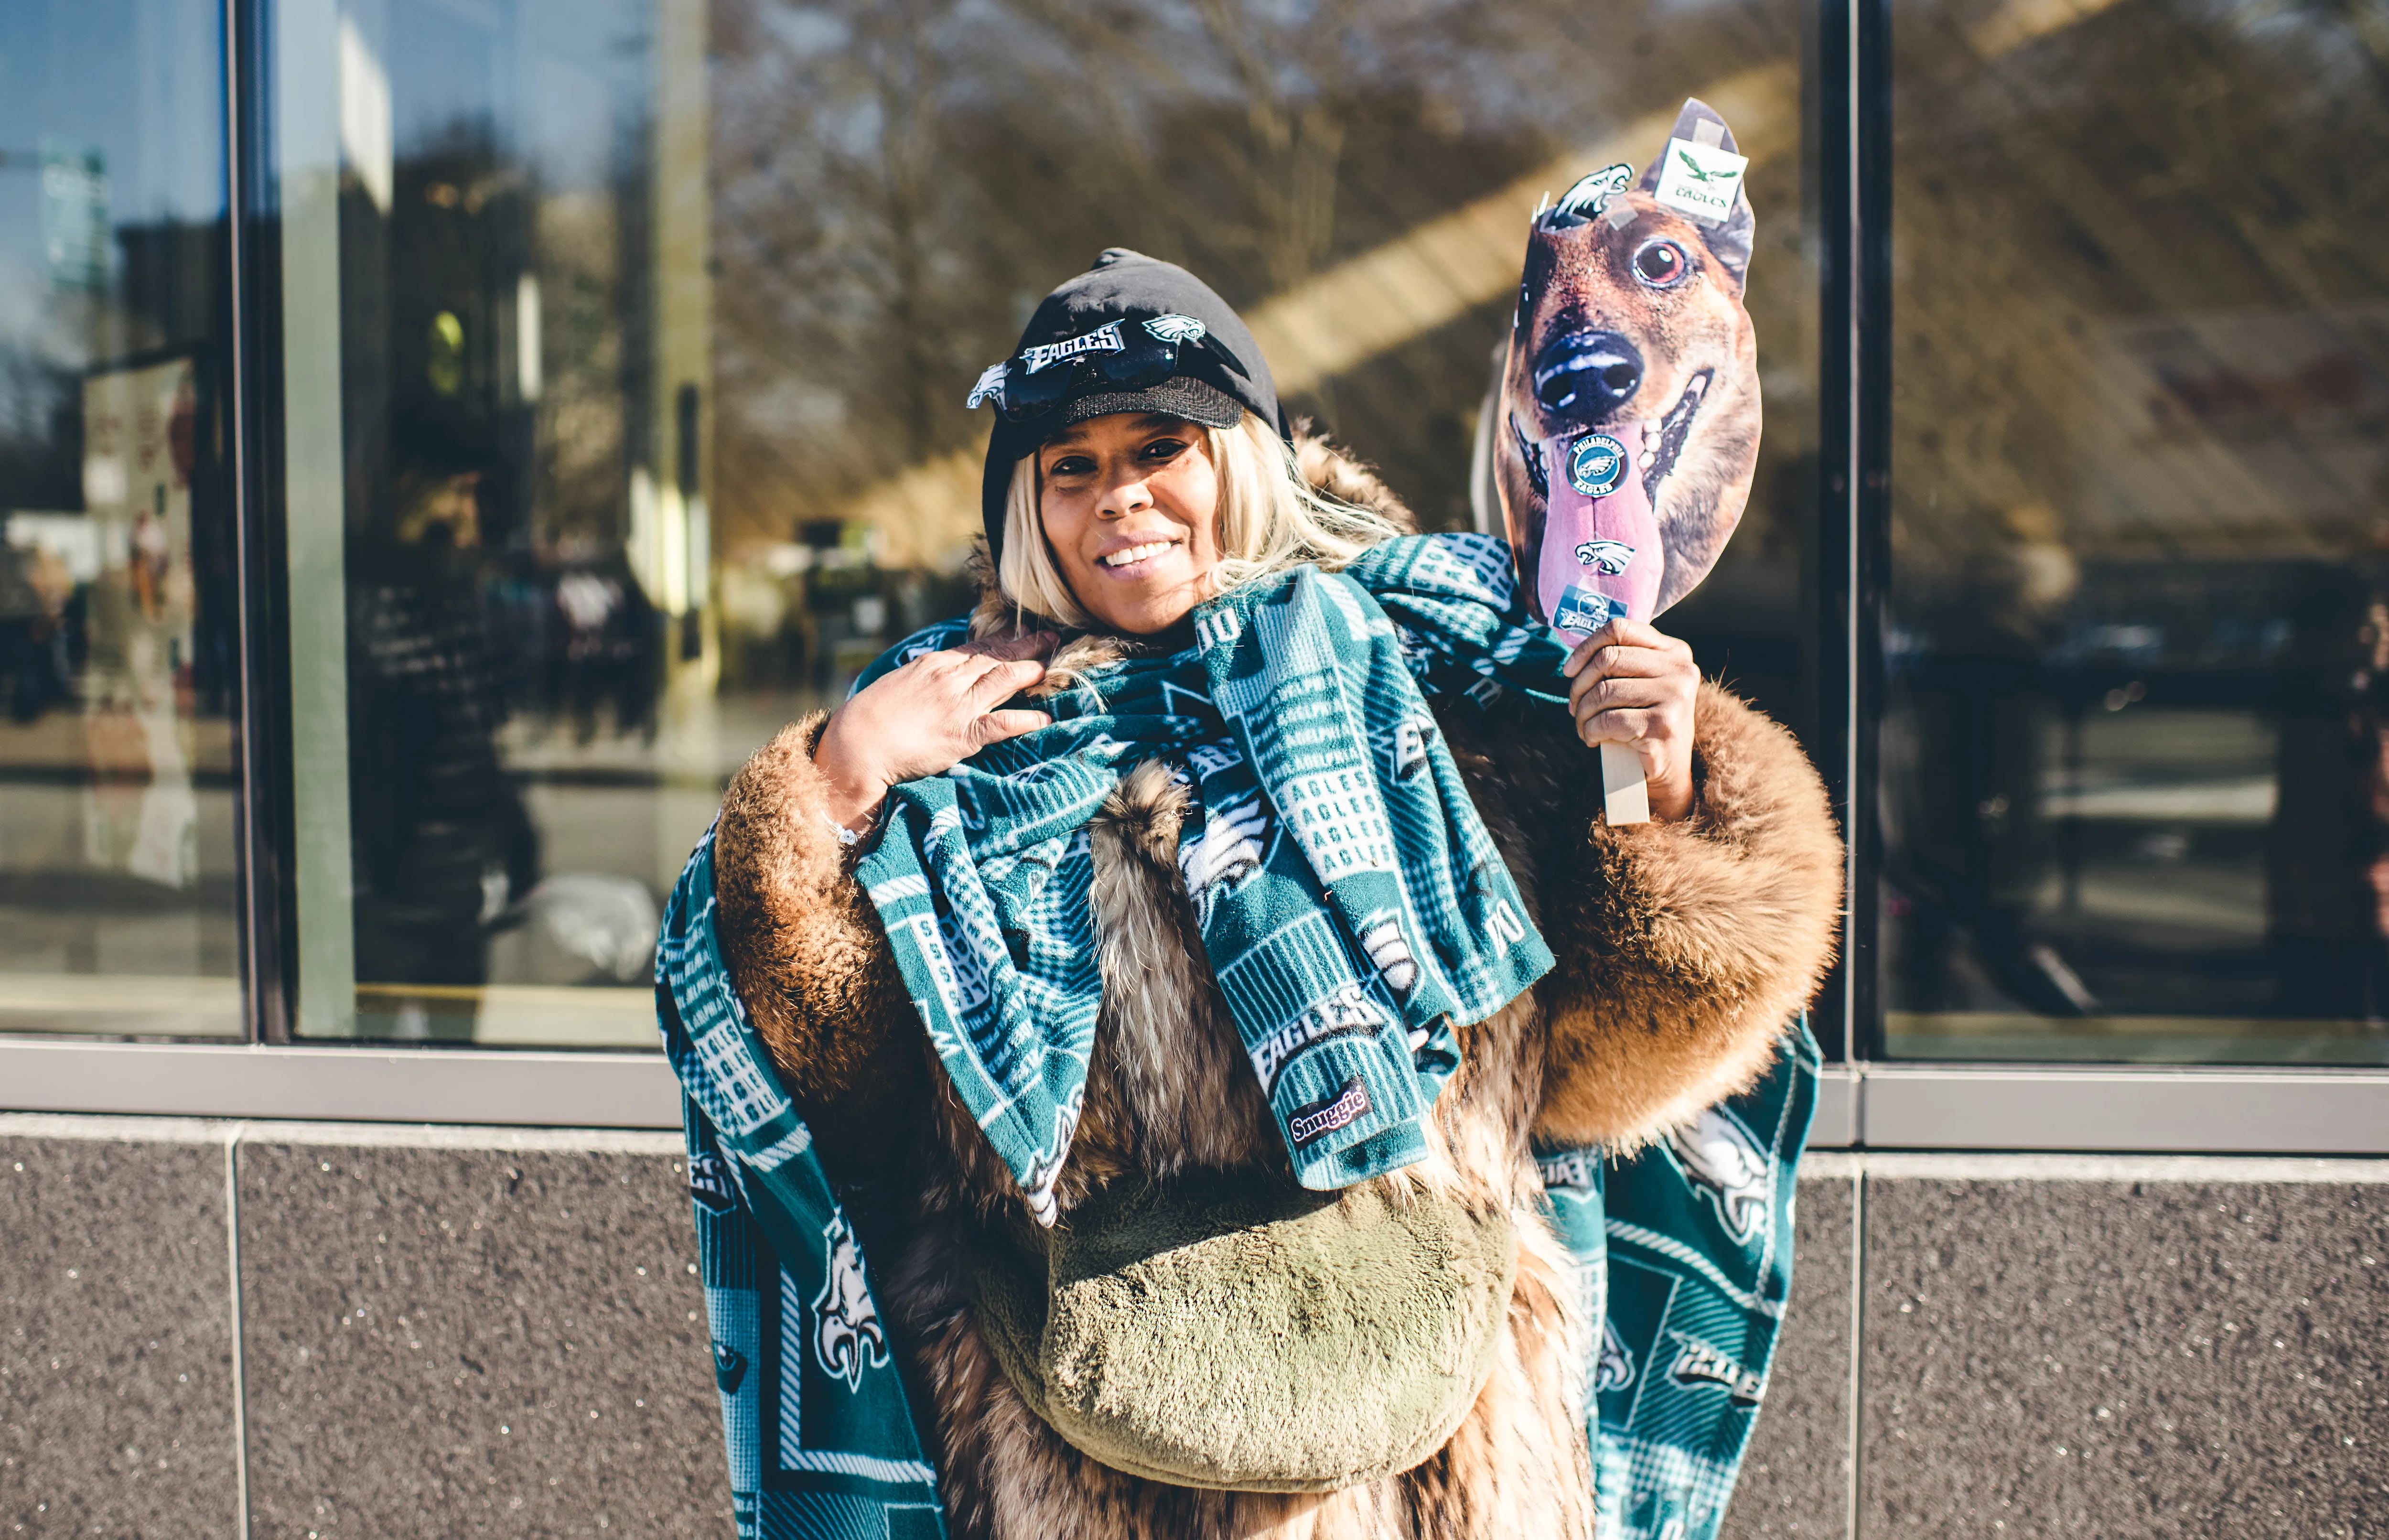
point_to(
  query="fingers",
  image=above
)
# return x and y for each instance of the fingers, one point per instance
(1639, 678)
(993, 669)
(1628, 646)
(1592, 693)
(1632, 685)
(1643, 729)
(995, 726)
(1645, 732)
(1001, 679)
(971, 657)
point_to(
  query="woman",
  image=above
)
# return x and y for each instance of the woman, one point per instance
(1240, 859)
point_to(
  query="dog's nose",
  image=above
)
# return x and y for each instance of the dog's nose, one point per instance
(1587, 376)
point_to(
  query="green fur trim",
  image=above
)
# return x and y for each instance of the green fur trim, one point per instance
(1246, 1338)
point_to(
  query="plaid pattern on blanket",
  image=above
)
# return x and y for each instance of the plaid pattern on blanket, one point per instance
(1352, 904)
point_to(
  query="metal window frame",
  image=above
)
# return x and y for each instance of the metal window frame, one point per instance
(1860, 1107)
(341, 1083)
(264, 825)
(1852, 560)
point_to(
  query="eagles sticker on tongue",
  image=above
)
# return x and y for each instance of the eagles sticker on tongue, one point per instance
(1621, 431)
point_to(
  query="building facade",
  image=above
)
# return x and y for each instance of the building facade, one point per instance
(441, 439)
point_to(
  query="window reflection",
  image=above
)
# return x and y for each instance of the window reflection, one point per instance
(525, 619)
(2133, 753)
(653, 325)
(899, 181)
(117, 651)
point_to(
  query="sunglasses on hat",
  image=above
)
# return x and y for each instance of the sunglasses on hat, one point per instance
(1120, 354)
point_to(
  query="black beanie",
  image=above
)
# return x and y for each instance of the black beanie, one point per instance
(1207, 389)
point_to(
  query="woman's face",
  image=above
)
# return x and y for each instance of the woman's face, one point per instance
(1131, 508)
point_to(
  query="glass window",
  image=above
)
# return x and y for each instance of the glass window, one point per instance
(497, 396)
(626, 351)
(118, 653)
(2133, 747)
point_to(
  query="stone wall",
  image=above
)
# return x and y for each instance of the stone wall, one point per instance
(355, 1330)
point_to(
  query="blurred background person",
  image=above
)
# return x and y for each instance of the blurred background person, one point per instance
(443, 845)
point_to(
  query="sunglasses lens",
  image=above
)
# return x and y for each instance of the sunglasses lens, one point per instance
(1138, 369)
(1033, 395)
(1140, 366)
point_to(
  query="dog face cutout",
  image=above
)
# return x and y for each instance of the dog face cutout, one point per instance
(1624, 429)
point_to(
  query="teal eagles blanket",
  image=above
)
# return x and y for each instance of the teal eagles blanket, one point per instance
(1685, 1250)
(1352, 904)
(814, 1416)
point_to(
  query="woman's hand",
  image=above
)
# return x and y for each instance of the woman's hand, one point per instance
(1634, 686)
(926, 718)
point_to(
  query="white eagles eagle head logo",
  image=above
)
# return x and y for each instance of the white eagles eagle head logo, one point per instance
(1174, 327)
(1232, 844)
(1615, 1371)
(847, 1332)
(1612, 557)
(1590, 195)
(991, 383)
(1726, 1160)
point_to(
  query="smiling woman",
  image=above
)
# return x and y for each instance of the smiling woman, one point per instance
(1232, 826)
(1125, 506)
(1105, 491)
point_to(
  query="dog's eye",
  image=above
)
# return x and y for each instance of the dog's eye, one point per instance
(1662, 265)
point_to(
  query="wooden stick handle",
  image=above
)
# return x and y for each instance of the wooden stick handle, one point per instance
(1624, 796)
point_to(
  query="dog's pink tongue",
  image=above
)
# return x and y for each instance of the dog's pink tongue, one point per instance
(1601, 556)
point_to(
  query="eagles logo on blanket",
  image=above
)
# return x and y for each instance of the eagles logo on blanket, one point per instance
(846, 1324)
(1614, 1371)
(1231, 846)
(1731, 1167)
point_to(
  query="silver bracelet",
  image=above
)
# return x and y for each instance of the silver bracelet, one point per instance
(845, 835)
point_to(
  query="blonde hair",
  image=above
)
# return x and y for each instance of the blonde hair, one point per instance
(1270, 518)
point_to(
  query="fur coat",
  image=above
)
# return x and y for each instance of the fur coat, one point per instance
(1682, 949)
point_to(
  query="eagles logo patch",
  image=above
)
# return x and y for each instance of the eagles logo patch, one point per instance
(847, 1333)
(1596, 463)
(1591, 194)
(1584, 611)
(1608, 558)
(991, 383)
(1174, 327)
(1726, 1161)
